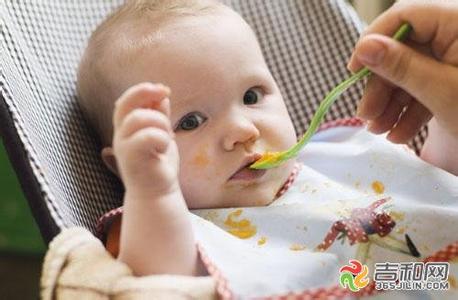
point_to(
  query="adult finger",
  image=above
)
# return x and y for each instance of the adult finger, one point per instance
(410, 123)
(432, 22)
(387, 120)
(375, 98)
(422, 77)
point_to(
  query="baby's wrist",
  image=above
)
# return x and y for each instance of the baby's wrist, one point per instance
(152, 193)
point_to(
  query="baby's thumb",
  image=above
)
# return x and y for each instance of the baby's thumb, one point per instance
(422, 77)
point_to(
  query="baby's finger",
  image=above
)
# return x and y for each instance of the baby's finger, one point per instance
(164, 105)
(142, 95)
(410, 123)
(140, 118)
(375, 99)
(150, 141)
(390, 116)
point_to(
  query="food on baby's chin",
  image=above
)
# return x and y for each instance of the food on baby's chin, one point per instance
(242, 229)
(378, 187)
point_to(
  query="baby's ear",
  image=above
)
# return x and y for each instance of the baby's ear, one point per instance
(109, 159)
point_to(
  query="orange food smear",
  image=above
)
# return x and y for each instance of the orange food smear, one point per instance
(401, 230)
(397, 215)
(262, 241)
(297, 247)
(242, 229)
(243, 233)
(269, 156)
(201, 159)
(378, 187)
(452, 281)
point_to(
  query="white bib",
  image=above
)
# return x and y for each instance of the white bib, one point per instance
(290, 247)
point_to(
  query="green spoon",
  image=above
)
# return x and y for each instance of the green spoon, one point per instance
(274, 159)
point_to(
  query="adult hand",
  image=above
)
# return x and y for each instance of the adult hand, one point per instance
(414, 80)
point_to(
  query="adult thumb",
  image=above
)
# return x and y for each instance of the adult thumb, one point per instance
(428, 80)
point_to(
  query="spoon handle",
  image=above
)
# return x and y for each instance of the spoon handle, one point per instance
(400, 35)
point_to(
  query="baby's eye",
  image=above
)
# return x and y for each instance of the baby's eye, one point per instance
(252, 96)
(191, 121)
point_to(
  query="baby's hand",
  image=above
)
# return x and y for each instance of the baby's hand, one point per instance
(155, 221)
(143, 142)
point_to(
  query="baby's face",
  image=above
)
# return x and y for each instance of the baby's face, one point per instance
(226, 109)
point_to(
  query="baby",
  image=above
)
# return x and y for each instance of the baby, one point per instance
(196, 105)
(189, 148)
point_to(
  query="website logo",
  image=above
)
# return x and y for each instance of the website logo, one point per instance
(353, 276)
(432, 276)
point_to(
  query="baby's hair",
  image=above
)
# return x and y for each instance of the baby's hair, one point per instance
(114, 43)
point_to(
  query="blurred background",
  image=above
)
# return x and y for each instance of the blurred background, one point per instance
(369, 9)
(21, 246)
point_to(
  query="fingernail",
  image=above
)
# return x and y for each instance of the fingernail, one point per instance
(371, 52)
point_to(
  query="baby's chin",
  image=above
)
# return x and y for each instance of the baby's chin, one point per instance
(260, 198)
(262, 194)
(253, 194)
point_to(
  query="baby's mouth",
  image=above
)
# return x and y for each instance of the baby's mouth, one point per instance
(244, 173)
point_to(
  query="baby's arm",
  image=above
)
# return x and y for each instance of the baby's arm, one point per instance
(156, 234)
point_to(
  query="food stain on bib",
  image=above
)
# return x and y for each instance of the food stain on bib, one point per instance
(357, 184)
(211, 216)
(242, 229)
(452, 281)
(297, 247)
(378, 187)
(303, 228)
(397, 215)
(401, 230)
(262, 241)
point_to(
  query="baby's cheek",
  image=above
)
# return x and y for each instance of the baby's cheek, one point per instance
(200, 159)
(200, 164)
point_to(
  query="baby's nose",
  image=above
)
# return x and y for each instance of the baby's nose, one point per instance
(243, 132)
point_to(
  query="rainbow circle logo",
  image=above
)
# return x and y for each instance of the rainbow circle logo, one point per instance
(353, 276)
